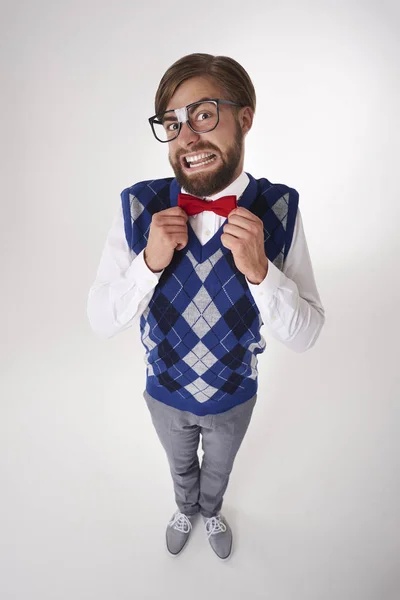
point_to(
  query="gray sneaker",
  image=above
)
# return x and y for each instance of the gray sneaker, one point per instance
(178, 531)
(219, 535)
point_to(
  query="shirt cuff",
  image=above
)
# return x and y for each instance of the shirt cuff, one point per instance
(142, 275)
(269, 285)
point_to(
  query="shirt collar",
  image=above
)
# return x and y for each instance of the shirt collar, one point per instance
(236, 188)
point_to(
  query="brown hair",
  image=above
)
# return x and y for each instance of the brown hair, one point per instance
(226, 72)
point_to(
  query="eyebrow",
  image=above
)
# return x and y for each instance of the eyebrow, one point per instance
(168, 118)
(201, 99)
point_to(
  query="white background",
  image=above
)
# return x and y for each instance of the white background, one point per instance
(85, 486)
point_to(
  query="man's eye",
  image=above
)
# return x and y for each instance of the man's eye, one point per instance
(171, 126)
(203, 116)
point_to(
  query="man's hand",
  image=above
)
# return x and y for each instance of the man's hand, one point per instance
(168, 232)
(244, 236)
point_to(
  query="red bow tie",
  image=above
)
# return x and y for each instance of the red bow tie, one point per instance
(193, 205)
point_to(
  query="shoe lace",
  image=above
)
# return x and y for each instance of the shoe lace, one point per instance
(180, 522)
(215, 525)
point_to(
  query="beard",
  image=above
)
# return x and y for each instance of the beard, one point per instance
(211, 181)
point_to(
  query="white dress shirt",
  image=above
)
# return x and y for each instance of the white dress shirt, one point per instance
(288, 300)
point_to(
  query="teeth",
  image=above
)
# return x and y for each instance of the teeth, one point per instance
(204, 162)
(197, 157)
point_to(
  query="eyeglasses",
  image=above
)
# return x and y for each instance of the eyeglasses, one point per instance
(201, 117)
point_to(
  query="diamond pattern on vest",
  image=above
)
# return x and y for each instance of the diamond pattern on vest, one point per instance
(201, 329)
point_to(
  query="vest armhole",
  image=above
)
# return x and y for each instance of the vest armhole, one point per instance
(126, 211)
(291, 219)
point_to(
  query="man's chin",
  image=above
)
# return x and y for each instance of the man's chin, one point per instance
(200, 186)
(202, 183)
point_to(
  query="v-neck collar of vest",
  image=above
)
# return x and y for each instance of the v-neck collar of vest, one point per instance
(203, 252)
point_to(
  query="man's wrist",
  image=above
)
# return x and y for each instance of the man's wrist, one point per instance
(256, 277)
(147, 264)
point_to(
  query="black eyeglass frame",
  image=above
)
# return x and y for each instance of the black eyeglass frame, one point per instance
(216, 101)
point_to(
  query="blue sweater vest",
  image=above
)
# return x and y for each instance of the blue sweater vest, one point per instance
(201, 328)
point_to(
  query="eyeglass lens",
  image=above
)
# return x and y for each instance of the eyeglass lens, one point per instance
(202, 117)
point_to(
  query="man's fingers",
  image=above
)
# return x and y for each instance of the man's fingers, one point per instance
(250, 225)
(236, 231)
(174, 210)
(170, 215)
(166, 221)
(180, 241)
(242, 212)
(227, 240)
(173, 229)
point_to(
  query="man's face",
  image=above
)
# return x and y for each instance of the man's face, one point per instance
(225, 143)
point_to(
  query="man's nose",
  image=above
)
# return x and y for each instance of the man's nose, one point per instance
(186, 136)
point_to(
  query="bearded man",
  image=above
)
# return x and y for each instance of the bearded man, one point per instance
(204, 259)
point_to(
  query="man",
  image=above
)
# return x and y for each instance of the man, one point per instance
(205, 259)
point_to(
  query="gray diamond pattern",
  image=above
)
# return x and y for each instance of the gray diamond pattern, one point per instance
(202, 299)
(201, 390)
(280, 207)
(136, 207)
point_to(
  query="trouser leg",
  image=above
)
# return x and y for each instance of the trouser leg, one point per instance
(180, 435)
(221, 442)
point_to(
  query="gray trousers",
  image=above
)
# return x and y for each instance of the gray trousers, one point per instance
(200, 489)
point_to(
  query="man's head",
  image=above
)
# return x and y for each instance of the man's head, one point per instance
(203, 76)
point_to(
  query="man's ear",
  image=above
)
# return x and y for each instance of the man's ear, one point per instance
(246, 117)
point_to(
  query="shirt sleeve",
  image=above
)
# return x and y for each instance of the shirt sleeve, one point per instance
(288, 300)
(123, 287)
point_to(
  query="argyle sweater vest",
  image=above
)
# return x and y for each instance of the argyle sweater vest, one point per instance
(201, 328)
